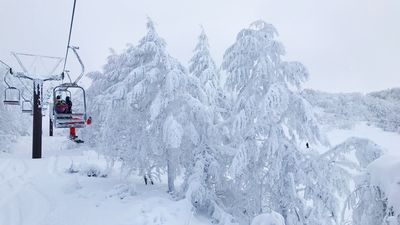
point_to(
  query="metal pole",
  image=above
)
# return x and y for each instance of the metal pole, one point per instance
(37, 121)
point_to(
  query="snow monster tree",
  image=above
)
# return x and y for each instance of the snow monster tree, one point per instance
(155, 114)
(270, 125)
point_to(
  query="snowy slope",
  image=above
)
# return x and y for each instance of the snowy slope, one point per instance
(388, 140)
(42, 192)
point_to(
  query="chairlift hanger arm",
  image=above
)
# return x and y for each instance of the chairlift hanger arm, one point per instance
(74, 49)
(8, 71)
(4, 78)
(63, 75)
(23, 96)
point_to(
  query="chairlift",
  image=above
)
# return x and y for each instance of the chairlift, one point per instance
(75, 118)
(26, 106)
(12, 96)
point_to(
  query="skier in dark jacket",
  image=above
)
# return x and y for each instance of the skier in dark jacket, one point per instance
(69, 104)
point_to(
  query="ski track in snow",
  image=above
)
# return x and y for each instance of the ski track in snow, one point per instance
(41, 192)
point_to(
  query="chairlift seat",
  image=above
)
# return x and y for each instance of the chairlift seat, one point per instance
(67, 120)
(9, 102)
(27, 111)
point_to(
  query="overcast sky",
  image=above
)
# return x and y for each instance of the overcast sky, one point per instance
(346, 45)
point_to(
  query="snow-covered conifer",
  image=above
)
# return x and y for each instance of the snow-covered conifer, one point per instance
(157, 111)
(270, 124)
(203, 66)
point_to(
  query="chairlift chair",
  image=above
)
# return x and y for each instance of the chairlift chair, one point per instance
(26, 106)
(75, 119)
(12, 96)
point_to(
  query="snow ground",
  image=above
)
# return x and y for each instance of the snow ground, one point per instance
(388, 140)
(41, 192)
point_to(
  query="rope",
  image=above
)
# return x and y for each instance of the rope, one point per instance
(69, 37)
(80, 62)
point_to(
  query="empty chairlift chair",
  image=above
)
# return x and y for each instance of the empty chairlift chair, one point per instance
(26, 106)
(12, 96)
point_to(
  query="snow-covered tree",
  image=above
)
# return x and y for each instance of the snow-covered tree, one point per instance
(12, 122)
(237, 162)
(156, 112)
(344, 110)
(203, 66)
(203, 185)
(205, 179)
(270, 124)
(375, 197)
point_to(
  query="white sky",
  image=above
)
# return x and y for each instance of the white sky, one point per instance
(346, 45)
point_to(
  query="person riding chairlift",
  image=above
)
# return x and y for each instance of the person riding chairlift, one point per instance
(69, 104)
(68, 110)
(60, 105)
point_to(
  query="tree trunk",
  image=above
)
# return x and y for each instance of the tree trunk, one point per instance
(171, 171)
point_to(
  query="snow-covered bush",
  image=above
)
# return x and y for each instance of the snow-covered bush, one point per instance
(123, 191)
(377, 198)
(344, 110)
(90, 170)
(392, 94)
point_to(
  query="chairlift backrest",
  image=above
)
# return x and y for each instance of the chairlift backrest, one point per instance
(63, 93)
